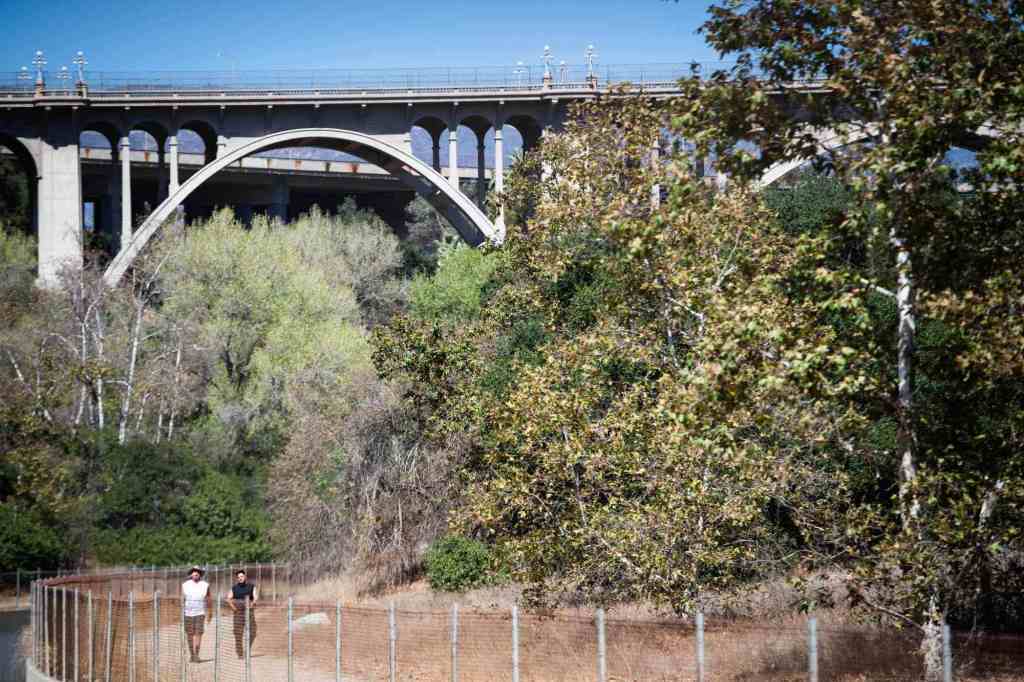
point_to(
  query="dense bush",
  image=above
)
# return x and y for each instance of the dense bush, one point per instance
(26, 542)
(456, 564)
(454, 291)
(175, 545)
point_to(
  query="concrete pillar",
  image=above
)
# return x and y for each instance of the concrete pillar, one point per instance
(125, 152)
(162, 179)
(112, 203)
(481, 172)
(437, 152)
(172, 151)
(222, 145)
(60, 201)
(499, 158)
(244, 213)
(453, 155)
(279, 198)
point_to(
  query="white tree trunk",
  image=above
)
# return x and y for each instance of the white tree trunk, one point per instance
(126, 398)
(909, 505)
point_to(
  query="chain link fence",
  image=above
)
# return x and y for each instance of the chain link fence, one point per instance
(130, 626)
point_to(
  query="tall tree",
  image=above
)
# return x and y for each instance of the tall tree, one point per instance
(912, 79)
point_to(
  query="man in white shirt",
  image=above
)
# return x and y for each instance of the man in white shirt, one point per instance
(195, 593)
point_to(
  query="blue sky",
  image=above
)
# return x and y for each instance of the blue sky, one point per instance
(260, 34)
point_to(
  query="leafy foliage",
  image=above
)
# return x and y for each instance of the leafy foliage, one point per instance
(919, 78)
(27, 541)
(456, 564)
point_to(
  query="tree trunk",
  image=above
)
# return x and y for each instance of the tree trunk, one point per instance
(126, 399)
(99, 343)
(909, 505)
(931, 643)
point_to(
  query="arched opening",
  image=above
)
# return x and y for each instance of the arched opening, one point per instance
(19, 180)
(476, 186)
(463, 215)
(426, 140)
(149, 173)
(197, 138)
(529, 130)
(101, 185)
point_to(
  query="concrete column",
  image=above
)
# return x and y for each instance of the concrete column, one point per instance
(172, 150)
(453, 155)
(222, 145)
(437, 152)
(125, 152)
(481, 172)
(279, 198)
(244, 213)
(163, 182)
(112, 201)
(499, 158)
(60, 201)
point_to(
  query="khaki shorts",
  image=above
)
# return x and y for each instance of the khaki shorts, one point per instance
(195, 625)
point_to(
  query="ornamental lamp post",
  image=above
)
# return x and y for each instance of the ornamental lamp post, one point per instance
(80, 62)
(563, 72)
(25, 76)
(39, 61)
(546, 58)
(590, 57)
(63, 76)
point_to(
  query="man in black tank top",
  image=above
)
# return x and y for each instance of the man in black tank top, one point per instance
(243, 598)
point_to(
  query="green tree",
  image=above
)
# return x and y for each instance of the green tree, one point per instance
(914, 79)
(621, 454)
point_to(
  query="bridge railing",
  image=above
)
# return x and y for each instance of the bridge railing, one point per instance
(525, 77)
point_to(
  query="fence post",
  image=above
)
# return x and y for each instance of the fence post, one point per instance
(43, 650)
(17, 590)
(515, 643)
(131, 636)
(156, 635)
(92, 635)
(291, 651)
(337, 638)
(700, 647)
(183, 642)
(455, 642)
(216, 637)
(602, 663)
(812, 649)
(77, 633)
(110, 626)
(63, 633)
(392, 643)
(273, 579)
(247, 650)
(32, 622)
(947, 654)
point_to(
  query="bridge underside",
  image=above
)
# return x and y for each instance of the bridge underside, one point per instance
(249, 191)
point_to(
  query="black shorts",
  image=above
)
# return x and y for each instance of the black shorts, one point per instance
(195, 625)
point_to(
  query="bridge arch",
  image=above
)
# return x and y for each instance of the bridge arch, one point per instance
(465, 217)
(30, 166)
(831, 141)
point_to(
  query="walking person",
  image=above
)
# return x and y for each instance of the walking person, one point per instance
(195, 594)
(243, 597)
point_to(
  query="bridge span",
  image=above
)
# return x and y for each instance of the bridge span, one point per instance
(239, 115)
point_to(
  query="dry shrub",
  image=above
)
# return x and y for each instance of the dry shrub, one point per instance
(355, 487)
